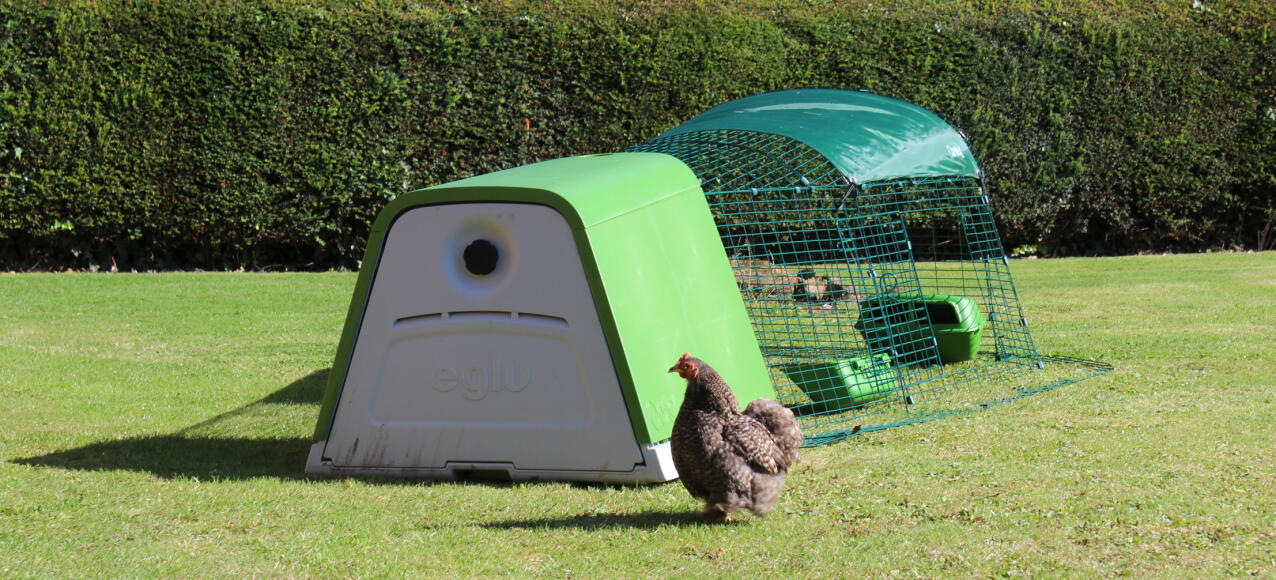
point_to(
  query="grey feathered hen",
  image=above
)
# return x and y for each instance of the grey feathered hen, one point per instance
(728, 459)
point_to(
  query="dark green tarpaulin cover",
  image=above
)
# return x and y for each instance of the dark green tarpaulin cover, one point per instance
(866, 136)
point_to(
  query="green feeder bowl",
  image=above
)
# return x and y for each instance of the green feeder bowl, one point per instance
(844, 384)
(958, 325)
(898, 322)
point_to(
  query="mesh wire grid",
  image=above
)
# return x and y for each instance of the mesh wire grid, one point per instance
(876, 304)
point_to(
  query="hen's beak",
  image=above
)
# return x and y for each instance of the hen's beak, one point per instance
(673, 369)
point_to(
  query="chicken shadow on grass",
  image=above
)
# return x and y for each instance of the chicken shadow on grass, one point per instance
(194, 452)
(645, 520)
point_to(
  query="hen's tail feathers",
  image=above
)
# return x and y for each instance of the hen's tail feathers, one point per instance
(766, 488)
(783, 426)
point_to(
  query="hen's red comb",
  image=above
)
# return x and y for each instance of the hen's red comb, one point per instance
(685, 356)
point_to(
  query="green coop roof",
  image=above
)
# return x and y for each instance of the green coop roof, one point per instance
(867, 137)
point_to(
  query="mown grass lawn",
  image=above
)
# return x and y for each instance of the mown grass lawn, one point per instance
(157, 425)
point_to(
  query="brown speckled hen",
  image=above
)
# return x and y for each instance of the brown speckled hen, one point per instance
(728, 459)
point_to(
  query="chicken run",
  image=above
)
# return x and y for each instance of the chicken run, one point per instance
(859, 230)
(832, 250)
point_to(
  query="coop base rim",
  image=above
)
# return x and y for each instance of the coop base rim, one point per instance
(657, 467)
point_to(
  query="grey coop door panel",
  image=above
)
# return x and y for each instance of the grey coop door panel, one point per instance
(480, 342)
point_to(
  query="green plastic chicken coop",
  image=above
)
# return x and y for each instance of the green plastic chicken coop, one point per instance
(859, 230)
(519, 325)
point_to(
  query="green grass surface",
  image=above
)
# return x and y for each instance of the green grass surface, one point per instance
(157, 426)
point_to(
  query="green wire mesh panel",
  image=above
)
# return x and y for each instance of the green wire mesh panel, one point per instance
(876, 304)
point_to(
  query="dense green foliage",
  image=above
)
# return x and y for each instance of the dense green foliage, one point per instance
(267, 134)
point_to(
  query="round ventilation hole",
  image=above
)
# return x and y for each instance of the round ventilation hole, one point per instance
(481, 257)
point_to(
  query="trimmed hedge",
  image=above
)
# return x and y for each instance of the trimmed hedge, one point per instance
(184, 134)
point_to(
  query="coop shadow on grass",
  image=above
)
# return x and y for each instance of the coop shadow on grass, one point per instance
(203, 450)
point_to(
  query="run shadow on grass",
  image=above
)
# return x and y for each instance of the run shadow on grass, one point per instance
(189, 454)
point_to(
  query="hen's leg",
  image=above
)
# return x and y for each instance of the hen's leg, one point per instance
(716, 512)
